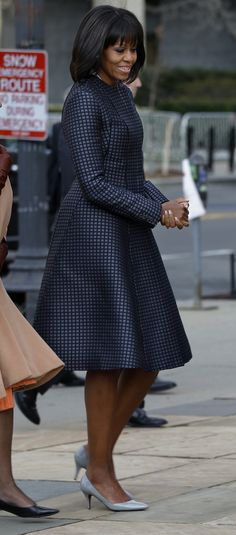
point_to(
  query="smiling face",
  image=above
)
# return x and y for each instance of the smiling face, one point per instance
(117, 62)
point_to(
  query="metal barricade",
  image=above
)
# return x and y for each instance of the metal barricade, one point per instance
(214, 133)
(168, 138)
(161, 140)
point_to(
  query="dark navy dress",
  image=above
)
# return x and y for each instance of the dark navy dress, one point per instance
(105, 300)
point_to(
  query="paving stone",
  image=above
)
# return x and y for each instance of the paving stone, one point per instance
(154, 489)
(74, 507)
(198, 506)
(127, 442)
(36, 438)
(13, 525)
(47, 464)
(224, 521)
(191, 442)
(175, 420)
(135, 439)
(226, 422)
(43, 465)
(71, 502)
(46, 490)
(193, 475)
(136, 528)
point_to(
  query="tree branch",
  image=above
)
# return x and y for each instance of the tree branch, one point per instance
(214, 13)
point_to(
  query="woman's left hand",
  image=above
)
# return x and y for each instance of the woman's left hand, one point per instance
(169, 219)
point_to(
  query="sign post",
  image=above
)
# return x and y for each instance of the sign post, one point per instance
(29, 128)
(196, 210)
(23, 92)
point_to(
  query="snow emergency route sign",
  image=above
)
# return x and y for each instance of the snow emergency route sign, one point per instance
(23, 94)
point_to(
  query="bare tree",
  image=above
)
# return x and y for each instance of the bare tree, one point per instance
(219, 14)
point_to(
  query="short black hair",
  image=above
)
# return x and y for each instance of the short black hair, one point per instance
(101, 27)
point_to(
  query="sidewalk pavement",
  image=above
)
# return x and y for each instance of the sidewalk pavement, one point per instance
(186, 471)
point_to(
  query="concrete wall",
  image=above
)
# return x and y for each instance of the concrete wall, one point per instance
(62, 19)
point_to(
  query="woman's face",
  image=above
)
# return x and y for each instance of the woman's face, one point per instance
(117, 62)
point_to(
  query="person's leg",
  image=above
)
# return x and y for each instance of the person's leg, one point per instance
(159, 385)
(110, 399)
(133, 386)
(101, 389)
(9, 492)
(140, 418)
(26, 400)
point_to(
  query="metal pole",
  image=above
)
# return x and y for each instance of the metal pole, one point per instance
(232, 276)
(197, 263)
(232, 139)
(211, 145)
(27, 269)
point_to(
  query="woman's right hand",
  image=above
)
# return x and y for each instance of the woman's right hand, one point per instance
(175, 213)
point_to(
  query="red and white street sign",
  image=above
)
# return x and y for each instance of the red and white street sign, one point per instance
(23, 94)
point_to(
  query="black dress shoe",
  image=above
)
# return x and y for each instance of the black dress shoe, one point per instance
(71, 379)
(26, 401)
(140, 418)
(160, 384)
(34, 511)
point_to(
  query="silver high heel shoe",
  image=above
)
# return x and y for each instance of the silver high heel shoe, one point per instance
(89, 490)
(81, 460)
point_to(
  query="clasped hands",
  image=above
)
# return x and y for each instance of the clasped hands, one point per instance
(175, 213)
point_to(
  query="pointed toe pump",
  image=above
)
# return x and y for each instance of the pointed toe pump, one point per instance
(89, 490)
(33, 511)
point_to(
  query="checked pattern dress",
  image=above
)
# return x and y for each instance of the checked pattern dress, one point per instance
(105, 300)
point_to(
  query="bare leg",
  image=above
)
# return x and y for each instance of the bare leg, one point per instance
(101, 390)
(133, 386)
(110, 398)
(9, 491)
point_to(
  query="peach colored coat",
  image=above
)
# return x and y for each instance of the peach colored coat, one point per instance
(23, 354)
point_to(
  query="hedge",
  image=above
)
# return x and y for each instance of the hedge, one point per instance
(190, 90)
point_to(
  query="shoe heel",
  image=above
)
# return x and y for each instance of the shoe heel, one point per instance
(77, 468)
(88, 498)
(77, 471)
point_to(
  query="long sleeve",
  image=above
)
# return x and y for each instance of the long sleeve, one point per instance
(82, 125)
(154, 193)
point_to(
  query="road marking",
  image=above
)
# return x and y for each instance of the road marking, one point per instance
(219, 215)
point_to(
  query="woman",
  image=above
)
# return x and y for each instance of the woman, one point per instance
(105, 304)
(25, 361)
